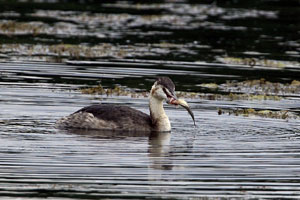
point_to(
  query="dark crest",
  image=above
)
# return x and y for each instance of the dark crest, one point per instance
(167, 83)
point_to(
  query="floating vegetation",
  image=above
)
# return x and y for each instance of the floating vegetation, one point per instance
(227, 97)
(150, 29)
(122, 21)
(259, 62)
(250, 112)
(209, 85)
(84, 51)
(9, 27)
(12, 27)
(251, 97)
(255, 89)
(262, 87)
(178, 16)
(120, 91)
(117, 91)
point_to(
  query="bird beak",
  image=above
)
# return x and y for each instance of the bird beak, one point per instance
(171, 97)
(173, 100)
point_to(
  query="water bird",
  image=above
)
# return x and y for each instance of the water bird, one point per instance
(124, 118)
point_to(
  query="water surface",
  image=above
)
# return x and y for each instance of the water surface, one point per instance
(224, 156)
(214, 52)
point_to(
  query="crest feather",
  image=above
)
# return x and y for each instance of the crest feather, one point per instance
(167, 83)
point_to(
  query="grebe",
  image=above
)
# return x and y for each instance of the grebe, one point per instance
(124, 118)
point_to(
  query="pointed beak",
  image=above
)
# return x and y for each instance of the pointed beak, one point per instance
(183, 103)
(171, 97)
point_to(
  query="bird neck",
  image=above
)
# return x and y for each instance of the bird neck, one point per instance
(158, 116)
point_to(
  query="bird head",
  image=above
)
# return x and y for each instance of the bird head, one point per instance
(164, 89)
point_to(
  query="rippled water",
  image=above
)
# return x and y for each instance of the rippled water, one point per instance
(128, 44)
(224, 156)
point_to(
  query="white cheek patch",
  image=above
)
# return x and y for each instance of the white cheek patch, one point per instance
(161, 92)
(158, 93)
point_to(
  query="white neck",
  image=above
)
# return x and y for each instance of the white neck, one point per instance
(159, 118)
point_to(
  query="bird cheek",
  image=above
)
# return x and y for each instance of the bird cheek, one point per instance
(161, 95)
(153, 91)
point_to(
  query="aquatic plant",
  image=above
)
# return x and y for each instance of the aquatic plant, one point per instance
(10, 28)
(121, 91)
(261, 87)
(117, 91)
(250, 112)
(258, 62)
(77, 52)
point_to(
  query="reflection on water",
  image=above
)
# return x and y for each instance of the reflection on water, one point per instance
(159, 151)
(158, 143)
(101, 134)
(227, 156)
(181, 30)
(224, 156)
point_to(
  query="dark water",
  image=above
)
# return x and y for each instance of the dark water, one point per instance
(163, 30)
(224, 156)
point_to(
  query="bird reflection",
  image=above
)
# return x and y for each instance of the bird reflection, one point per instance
(159, 150)
(158, 143)
(106, 134)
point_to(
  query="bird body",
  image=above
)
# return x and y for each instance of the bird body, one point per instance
(124, 118)
(103, 116)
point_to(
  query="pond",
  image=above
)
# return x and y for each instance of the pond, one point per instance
(232, 62)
